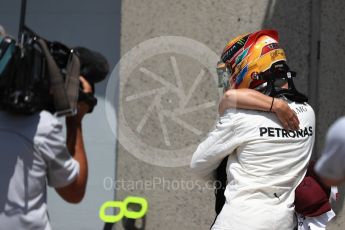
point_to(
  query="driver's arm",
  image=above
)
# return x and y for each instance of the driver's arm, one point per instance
(221, 142)
(254, 100)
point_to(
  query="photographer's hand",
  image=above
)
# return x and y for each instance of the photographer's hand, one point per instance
(83, 107)
(75, 191)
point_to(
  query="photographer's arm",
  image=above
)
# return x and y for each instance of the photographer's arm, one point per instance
(75, 191)
(254, 100)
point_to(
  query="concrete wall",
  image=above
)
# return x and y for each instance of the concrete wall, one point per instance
(212, 23)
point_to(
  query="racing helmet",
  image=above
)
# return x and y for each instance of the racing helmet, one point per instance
(248, 55)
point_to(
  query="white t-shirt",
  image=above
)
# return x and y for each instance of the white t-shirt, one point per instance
(265, 165)
(33, 154)
(331, 165)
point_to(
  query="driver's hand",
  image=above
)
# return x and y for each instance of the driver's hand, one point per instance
(285, 114)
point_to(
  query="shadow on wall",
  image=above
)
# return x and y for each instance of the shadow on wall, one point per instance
(292, 20)
(331, 78)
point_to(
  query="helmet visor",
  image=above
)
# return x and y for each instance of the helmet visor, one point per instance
(223, 75)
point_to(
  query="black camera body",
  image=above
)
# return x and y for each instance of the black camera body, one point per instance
(36, 74)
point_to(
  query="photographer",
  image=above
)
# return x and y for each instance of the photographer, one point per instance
(34, 154)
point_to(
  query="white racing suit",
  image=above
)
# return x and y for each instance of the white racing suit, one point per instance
(265, 165)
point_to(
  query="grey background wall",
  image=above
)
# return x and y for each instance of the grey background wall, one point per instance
(117, 27)
(302, 26)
